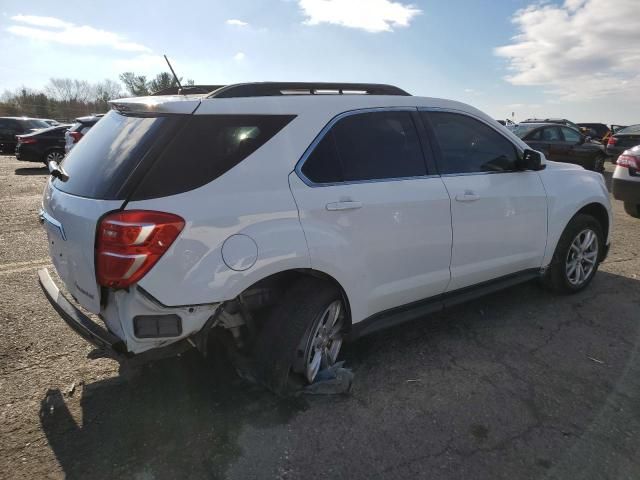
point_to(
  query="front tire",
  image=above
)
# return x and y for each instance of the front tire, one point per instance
(302, 336)
(632, 209)
(577, 255)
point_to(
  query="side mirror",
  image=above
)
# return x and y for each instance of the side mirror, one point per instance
(532, 160)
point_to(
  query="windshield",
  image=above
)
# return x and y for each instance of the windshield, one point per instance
(522, 130)
(631, 129)
(33, 123)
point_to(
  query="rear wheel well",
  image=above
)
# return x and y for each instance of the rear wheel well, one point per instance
(268, 291)
(599, 212)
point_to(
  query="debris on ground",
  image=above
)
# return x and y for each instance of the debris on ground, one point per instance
(334, 380)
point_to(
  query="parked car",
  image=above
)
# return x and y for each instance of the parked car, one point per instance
(51, 122)
(43, 145)
(623, 139)
(597, 131)
(79, 129)
(12, 126)
(626, 180)
(559, 121)
(563, 144)
(292, 222)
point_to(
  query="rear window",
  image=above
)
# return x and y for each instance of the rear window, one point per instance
(631, 129)
(34, 124)
(149, 157)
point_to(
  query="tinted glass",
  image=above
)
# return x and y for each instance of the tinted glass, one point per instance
(204, 149)
(101, 162)
(523, 130)
(631, 129)
(468, 145)
(571, 135)
(323, 166)
(34, 124)
(551, 134)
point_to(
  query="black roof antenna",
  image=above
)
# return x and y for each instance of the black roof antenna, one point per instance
(174, 75)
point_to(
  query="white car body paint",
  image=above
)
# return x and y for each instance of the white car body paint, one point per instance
(387, 243)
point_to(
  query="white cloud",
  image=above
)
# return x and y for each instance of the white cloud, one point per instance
(55, 30)
(578, 50)
(469, 90)
(370, 15)
(235, 22)
(239, 57)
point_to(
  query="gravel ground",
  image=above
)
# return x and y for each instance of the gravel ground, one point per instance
(520, 384)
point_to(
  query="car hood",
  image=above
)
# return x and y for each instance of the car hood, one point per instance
(551, 165)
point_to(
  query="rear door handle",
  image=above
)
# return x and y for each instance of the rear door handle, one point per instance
(467, 197)
(336, 206)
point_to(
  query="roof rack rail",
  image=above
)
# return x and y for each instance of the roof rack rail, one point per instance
(270, 89)
(187, 89)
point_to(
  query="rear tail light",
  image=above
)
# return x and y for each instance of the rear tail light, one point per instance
(612, 141)
(76, 136)
(27, 140)
(129, 243)
(629, 161)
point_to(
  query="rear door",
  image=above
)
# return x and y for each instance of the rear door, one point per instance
(374, 216)
(499, 213)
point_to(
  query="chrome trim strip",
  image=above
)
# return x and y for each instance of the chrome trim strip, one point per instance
(45, 217)
(327, 127)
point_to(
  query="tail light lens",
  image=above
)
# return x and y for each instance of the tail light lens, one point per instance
(76, 136)
(629, 161)
(612, 141)
(129, 244)
(26, 140)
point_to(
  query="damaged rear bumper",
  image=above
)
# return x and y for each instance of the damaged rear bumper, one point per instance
(112, 345)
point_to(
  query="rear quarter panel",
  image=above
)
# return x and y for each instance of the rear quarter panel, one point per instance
(570, 188)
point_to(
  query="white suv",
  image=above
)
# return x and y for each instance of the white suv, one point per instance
(291, 216)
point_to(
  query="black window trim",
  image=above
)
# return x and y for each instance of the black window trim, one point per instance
(436, 147)
(307, 153)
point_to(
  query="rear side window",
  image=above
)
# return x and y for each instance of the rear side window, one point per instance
(468, 145)
(161, 155)
(367, 146)
(204, 149)
(571, 135)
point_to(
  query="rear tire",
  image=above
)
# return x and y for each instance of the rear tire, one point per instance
(55, 155)
(598, 164)
(577, 256)
(632, 209)
(295, 333)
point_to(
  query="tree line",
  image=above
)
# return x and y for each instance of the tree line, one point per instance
(65, 99)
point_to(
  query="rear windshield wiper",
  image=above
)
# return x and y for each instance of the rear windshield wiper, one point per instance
(56, 171)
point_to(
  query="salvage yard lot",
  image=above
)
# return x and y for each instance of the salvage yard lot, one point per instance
(519, 384)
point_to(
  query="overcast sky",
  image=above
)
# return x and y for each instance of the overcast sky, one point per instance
(578, 59)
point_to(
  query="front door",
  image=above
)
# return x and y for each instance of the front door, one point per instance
(499, 213)
(372, 216)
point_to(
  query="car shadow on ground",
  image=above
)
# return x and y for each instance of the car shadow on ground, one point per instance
(32, 171)
(183, 417)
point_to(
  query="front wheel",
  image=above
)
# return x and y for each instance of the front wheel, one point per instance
(302, 336)
(577, 255)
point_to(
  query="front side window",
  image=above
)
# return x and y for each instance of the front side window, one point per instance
(570, 135)
(470, 146)
(367, 146)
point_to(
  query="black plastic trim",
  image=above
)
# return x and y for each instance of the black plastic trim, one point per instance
(271, 89)
(626, 190)
(415, 310)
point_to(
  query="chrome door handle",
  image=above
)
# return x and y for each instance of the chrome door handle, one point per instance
(467, 197)
(337, 206)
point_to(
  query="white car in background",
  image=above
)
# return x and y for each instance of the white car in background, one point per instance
(626, 180)
(295, 215)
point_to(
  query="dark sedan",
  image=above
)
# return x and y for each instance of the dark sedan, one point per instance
(623, 139)
(12, 126)
(43, 145)
(563, 144)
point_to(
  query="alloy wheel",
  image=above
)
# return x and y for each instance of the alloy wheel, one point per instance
(582, 257)
(325, 341)
(54, 156)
